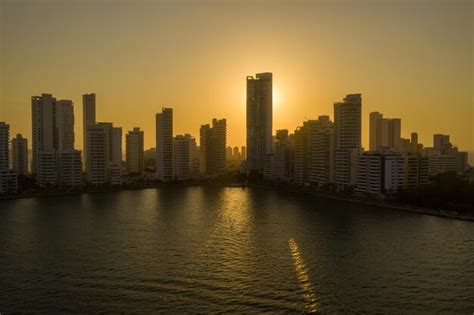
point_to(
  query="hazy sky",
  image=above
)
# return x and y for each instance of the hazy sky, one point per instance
(409, 59)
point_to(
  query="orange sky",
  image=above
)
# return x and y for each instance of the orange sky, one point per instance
(409, 59)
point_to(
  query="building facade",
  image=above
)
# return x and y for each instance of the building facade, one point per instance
(259, 120)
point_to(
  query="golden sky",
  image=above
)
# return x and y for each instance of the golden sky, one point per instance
(409, 59)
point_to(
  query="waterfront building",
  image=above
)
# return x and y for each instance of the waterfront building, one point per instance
(259, 120)
(164, 145)
(134, 151)
(8, 177)
(88, 119)
(347, 135)
(213, 148)
(323, 153)
(384, 132)
(70, 168)
(19, 149)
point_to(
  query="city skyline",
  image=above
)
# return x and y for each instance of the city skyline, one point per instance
(308, 77)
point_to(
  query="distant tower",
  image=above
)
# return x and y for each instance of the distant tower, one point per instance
(20, 155)
(88, 119)
(134, 147)
(347, 135)
(4, 139)
(164, 144)
(213, 148)
(259, 120)
(384, 132)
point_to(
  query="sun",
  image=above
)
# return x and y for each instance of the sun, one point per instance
(277, 97)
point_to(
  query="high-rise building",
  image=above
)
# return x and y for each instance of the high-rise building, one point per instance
(228, 154)
(20, 155)
(283, 157)
(259, 120)
(98, 154)
(380, 173)
(384, 132)
(65, 125)
(347, 137)
(417, 170)
(213, 148)
(4, 150)
(8, 177)
(70, 168)
(43, 129)
(88, 119)
(117, 145)
(236, 154)
(164, 144)
(243, 152)
(441, 143)
(323, 152)
(303, 151)
(134, 147)
(185, 157)
(53, 132)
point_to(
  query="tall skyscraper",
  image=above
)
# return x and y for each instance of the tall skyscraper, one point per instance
(8, 178)
(43, 127)
(283, 157)
(303, 151)
(53, 133)
(259, 120)
(384, 132)
(65, 125)
(88, 119)
(213, 148)
(20, 155)
(347, 135)
(185, 155)
(98, 154)
(323, 152)
(134, 151)
(4, 150)
(164, 144)
(117, 145)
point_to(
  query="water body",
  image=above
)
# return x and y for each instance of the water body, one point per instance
(239, 250)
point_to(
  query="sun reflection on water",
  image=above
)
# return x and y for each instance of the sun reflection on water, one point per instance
(303, 277)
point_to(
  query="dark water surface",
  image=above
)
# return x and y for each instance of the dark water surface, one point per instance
(231, 250)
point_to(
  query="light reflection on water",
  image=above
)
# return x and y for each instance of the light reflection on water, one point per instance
(237, 250)
(303, 277)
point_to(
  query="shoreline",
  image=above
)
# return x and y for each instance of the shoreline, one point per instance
(399, 207)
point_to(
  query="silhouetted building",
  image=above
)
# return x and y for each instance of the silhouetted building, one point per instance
(53, 132)
(283, 157)
(134, 147)
(70, 168)
(8, 177)
(4, 150)
(98, 155)
(323, 152)
(384, 132)
(347, 135)
(19, 151)
(213, 148)
(186, 161)
(88, 119)
(243, 153)
(164, 145)
(259, 120)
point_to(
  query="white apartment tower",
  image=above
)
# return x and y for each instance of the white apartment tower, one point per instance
(134, 151)
(164, 144)
(259, 120)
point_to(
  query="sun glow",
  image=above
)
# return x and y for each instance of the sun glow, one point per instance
(277, 97)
